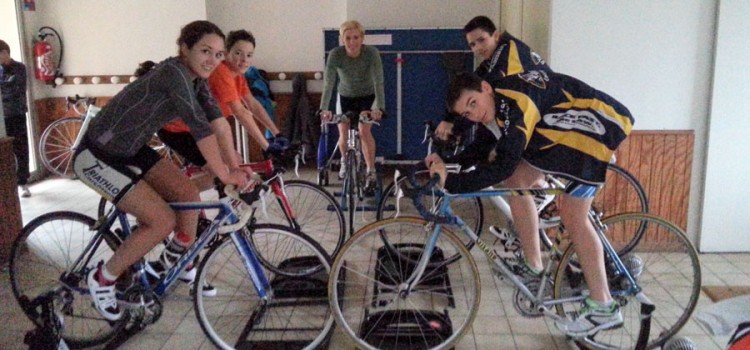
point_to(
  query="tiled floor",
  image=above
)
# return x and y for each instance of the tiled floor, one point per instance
(498, 325)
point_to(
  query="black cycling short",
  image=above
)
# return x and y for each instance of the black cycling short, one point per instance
(112, 176)
(356, 104)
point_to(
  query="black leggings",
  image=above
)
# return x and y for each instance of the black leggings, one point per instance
(15, 126)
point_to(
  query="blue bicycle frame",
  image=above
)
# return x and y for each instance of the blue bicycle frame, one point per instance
(226, 216)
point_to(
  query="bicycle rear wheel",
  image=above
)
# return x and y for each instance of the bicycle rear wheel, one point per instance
(621, 193)
(314, 212)
(468, 209)
(41, 261)
(666, 267)
(57, 143)
(296, 315)
(366, 289)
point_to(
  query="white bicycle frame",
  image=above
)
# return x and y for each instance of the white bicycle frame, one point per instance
(499, 201)
(91, 113)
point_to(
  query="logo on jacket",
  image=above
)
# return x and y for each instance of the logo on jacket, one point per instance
(536, 58)
(537, 78)
(578, 120)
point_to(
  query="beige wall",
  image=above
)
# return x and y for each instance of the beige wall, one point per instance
(726, 192)
(528, 20)
(420, 14)
(110, 37)
(659, 65)
(288, 33)
(9, 28)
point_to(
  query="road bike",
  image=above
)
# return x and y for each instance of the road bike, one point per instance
(621, 193)
(255, 270)
(355, 183)
(59, 141)
(300, 205)
(392, 283)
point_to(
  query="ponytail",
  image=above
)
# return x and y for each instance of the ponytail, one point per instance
(143, 68)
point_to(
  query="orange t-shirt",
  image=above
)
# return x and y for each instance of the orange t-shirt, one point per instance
(225, 87)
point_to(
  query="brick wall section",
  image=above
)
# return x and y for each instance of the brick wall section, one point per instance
(10, 207)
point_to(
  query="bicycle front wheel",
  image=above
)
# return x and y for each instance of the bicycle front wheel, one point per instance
(666, 268)
(368, 295)
(57, 142)
(295, 315)
(351, 184)
(313, 211)
(42, 260)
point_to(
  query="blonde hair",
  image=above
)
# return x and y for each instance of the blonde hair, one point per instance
(351, 25)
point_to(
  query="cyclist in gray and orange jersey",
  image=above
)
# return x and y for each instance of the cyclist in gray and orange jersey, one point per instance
(115, 160)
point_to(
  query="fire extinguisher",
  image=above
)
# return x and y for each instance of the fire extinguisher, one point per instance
(44, 68)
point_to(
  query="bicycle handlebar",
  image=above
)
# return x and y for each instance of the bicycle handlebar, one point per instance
(417, 191)
(346, 117)
(452, 144)
(75, 102)
(248, 198)
(72, 100)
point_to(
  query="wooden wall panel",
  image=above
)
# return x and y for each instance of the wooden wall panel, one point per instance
(50, 109)
(10, 206)
(662, 162)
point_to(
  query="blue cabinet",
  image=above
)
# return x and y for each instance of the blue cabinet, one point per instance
(416, 66)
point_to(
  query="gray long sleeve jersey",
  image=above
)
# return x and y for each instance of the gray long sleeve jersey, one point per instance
(358, 76)
(168, 91)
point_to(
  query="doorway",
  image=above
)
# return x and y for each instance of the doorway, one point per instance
(11, 32)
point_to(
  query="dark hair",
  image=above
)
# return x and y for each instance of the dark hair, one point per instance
(4, 46)
(143, 68)
(460, 83)
(480, 22)
(194, 31)
(239, 35)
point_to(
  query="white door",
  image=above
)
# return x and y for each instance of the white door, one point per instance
(726, 199)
